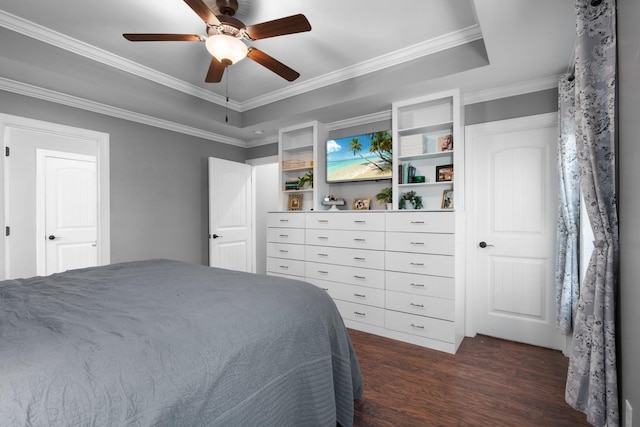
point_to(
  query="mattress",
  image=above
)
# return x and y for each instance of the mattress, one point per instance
(166, 343)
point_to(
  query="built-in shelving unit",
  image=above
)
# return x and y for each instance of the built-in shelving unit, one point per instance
(298, 154)
(421, 129)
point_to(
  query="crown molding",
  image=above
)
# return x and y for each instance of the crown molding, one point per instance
(357, 121)
(96, 107)
(54, 38)
(428, 47)
(522, 88)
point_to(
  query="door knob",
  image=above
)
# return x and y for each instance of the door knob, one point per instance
(484, 245)
(215, 236)
(52, 237)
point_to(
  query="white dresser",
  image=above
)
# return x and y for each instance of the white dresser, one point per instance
(390, 273)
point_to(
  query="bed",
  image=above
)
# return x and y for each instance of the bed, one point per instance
(166, 343)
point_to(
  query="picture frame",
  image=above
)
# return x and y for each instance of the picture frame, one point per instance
(445, 143)
(447, 199)
(444, 173)
(295, 202)
(362, 204)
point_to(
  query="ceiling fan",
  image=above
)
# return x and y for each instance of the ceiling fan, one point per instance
(226, 35)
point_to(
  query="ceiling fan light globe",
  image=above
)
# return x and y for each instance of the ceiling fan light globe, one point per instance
(226, 48)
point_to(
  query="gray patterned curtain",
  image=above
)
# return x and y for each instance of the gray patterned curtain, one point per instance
(592, 377)
(568, 232)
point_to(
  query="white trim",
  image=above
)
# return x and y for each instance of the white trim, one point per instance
(108, 110)
(409, 53)
(521, 88)
(362, 120)
(102, 161)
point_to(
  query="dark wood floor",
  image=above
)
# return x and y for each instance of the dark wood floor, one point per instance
(488, 382)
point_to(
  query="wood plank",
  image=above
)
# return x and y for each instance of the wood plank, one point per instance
(488, 382)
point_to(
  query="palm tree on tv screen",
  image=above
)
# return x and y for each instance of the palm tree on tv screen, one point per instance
(380, 146)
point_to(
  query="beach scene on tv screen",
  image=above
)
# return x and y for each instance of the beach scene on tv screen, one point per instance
(359, 157)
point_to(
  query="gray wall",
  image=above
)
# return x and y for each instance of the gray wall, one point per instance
(158, 181)
(629, 202)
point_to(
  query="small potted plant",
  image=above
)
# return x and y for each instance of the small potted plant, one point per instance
(385, 196)
(306, 178)
(410, 200)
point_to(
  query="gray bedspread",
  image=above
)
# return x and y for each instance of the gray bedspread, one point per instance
(165, 343)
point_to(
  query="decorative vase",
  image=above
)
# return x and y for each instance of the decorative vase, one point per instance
(389, 206)
(408, 205)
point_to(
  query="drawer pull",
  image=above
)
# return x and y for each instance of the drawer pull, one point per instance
(413, 325)
(417, 222)
(358, 258)
(284, 267)
(413, 304)
(323, 272)
(360, 277)
(357, 313)
(323, 255)
(360, 240)
(325, 289)
(417, 243)
(359, 295)
(284, 251)
(360, 221)
(324, 221)
(323, 238)
(283, 235)
(417, 264)
(284, 220)
(417, 285)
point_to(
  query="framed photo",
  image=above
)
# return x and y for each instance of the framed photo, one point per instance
(444, 173)
(447, 199)
(445, 143)
(295, 202)
(361, 204)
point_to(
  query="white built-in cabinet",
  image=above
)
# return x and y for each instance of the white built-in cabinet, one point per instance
(298, 152)
(393, 274)
(399, 273)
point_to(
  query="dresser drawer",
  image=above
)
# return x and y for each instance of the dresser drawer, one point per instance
(285, 219)
(421, 305)
(344, 256)
(290, 267)
(285, 250)
(420, 284)
(426, 243)
(428, 327)
(421, 222)
(286, 235)
(361, 313)
(352, 293)
(343, 274)
(345, 238)
(436, 265)
(346, 221)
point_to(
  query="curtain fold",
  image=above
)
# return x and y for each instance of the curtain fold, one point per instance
(568, 231)
(592, 376)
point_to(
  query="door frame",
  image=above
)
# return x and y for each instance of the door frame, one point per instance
(471, 133)
(101, 140)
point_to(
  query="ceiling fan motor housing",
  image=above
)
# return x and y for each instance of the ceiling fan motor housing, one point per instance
(227, 7)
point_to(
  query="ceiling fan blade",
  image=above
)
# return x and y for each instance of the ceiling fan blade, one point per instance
(279, 27)
(163, 37)
(203, 11)
(273, 64)
(216, 70)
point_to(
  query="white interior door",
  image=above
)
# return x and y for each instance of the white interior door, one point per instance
(511, 251)
(67, 211)
(230, 213)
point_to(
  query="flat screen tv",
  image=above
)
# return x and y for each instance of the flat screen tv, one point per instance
(363, 157)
